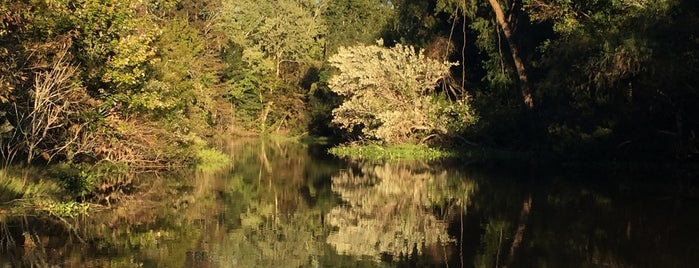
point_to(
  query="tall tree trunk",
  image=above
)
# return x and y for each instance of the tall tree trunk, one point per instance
(514, 50)
(463, 51)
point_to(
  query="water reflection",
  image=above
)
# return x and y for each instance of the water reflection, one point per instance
(389, 210)
(285, 204)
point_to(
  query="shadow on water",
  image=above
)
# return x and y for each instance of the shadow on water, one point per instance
(281, 204)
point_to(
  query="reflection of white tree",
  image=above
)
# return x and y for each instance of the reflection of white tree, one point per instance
(386, 212)
(288, 241)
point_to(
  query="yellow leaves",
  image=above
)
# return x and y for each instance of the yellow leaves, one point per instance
(130, 54)
(157, 95)
(5, 90)
(115, 40)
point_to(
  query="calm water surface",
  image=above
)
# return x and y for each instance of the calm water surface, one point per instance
(291, 205)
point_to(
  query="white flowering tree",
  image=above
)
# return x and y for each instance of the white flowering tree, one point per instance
(389, 92)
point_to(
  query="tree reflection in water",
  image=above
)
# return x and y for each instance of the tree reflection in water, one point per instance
(388, 210)
(289, 205)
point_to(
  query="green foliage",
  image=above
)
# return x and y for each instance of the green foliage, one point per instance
(458, 115)
(272, 46)
(348, 23)
(414, 22)
(397, 152)
(492, 243)
(389, 93)
(114, 41)
(82, 180)
(321, 102)
(355, 22)
(69, 209)
(244, 87)
(579, 142)
(176, 71)
(211, 160)
(82, 62)
(499, 73)
(13, 186)
(183, 91)
(78, 182)
(273, 32)
(604, 72)
(35, 192)
(142, 79)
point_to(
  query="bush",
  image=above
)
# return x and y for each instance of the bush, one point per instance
(389, 93)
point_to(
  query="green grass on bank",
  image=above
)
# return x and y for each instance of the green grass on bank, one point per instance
(424, 152)
(512, 159)
(34, 193)
(394, 152)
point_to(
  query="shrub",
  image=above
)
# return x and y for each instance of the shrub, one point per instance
(389, 93)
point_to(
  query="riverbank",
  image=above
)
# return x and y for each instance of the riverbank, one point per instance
(472, 155)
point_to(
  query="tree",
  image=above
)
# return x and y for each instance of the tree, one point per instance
(613, 79)
(182, 89)
(273, 33)
(490, 68)
(389, 93)
(43, 103)
(273, 49)
(352, 22)
(113, 41)
(514, 51)
(82, 78)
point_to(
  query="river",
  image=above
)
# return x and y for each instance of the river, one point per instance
(282, 204)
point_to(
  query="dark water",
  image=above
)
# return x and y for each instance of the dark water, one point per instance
(290, 205)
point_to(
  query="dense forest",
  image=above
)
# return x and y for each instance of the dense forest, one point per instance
(144, 83)
(569, 127)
